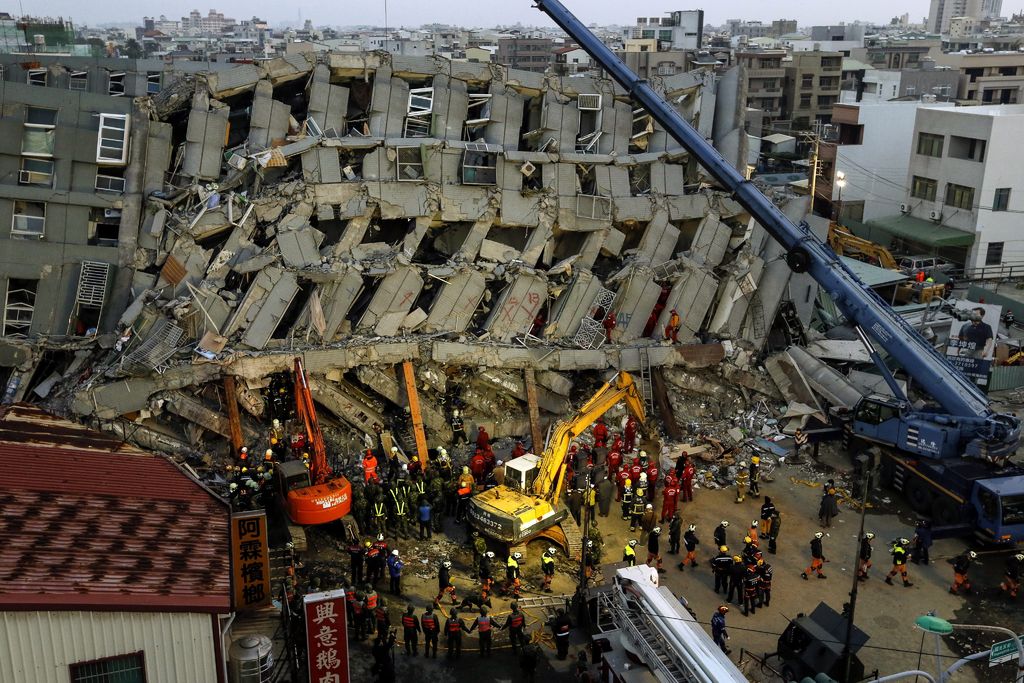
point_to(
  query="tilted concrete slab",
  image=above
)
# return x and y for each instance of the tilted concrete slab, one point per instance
(691, 296)
(513, 384)
(659, 241)
(269, 119)
(827, 381)
(396, 293)
(347, 402)
(328, 104)
(455, 304)
(573, 304)
(385, 383)
(299, 248)
(517, 307)
(634, 302)
(710, 241)
(204, 138)
(271, 310)
(109, 401)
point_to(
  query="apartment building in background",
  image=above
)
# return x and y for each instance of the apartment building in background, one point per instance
(941, 12)
(764, 80)
(811, 87)
(680, 30)
(528, 54)
(987, 77)
(965, 176)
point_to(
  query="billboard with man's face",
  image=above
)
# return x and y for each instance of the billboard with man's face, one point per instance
(972, 341)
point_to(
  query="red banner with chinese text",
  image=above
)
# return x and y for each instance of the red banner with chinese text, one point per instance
(326, 637)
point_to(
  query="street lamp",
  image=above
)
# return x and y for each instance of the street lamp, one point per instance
(840, 183)
(930, 623)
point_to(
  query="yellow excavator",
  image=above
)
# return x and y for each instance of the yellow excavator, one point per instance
(845, 243)
(529, 503)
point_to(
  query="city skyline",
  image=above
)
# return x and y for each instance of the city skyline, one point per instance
(468, 12)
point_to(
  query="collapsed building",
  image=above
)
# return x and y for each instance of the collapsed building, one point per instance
(363, 210)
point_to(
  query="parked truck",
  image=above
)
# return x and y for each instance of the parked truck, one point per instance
(952, 454)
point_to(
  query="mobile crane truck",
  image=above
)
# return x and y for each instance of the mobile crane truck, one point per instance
(950, 457)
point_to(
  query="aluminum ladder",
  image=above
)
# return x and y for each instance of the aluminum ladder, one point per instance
(646, 387)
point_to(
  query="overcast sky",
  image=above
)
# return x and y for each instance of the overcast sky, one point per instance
(485, 13)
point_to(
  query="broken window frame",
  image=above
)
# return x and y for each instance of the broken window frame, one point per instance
(107, 157)
(39, 137)
(478, 114)
(28, 225)
(110, 220)
(78, 80)
(484, 167)
(643, 127)
(18, 313)
(37, 77)
(533, 177)
(600, 207)
(91, 293)
(640, 180)
(37, 175)
(402, 164)
(588, 104)
(150, 82)
(115, 83)
(419, 113)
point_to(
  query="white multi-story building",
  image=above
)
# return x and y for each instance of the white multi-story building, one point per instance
(941, 12)
(965, 175)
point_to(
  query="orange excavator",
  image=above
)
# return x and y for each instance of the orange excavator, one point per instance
(312, 496)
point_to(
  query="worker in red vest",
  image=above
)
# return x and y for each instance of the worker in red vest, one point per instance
(670, 498)
(609, 325)
(616, 442)
(483, 439)
(518, 450)
(516, 625)
(478, 466)
(600, 433)
(630, 437)
(614, 463)
(483, 624)
(431, 628)
(410, 631)
(370, 467)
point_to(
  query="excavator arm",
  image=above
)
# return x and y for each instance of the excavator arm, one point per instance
(551, 471)
(845, 243)
(319, 470)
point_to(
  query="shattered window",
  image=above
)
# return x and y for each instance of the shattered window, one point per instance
(115, 84)
(37, 77)
(643, 126)
(419, 112)
(39, 132)
(533, 178)
(479, 165)
(590, 122)
(112, 140)
(36, 172)
(29, 221)
(639, 179)
(153, 82)
(19, 306)
(410, 164)
(478, 116)
(78, 80)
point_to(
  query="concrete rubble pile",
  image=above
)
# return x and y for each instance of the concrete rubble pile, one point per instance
(362, 210)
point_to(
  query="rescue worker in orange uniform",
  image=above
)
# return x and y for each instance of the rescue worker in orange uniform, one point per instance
(370, 467)
(672, 328)
(899, 562)
(961, 565)
(817, 557)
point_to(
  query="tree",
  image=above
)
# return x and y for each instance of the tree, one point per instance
(132, 49)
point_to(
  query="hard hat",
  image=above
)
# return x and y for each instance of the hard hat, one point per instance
(756, 460)
(723, 548)
(368, 544)
(501, 462)
(260, 468)
(743, 463)
(643, 476)
(415, 459)
(273, 440)
(455, 413)
(818, 534)
(629, 482)
(723, 609)
(632, 543)
(643, 454)
(394, 449)
(904, 541)
(737, 558)
(446, 564)
(442, 451)
(753, 524)
(269, 453)
(748, 539)
(552, 551)
(1019, 557)
(760, 563)
(489, 555)
(276, 422)
(245, 449)
(517, 556)
(405, 467)
(380, 537)
(650, 507)
(465, 470)
(233, 486)
(972, 555)
(869, 535)
(244, 470)
(656, 530)
(692, 527)
(725, 522)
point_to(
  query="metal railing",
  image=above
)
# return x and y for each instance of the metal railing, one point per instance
(1001, 272)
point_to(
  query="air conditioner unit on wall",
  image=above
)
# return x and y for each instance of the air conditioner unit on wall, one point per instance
(935, 215)
(904, 208)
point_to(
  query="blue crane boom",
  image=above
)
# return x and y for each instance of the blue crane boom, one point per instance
(979, 430)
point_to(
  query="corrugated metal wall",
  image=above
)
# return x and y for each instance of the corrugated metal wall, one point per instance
(1006, 377)
(37, 647)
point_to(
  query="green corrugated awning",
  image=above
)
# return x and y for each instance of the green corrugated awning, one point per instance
(922, 231)
(873, 276)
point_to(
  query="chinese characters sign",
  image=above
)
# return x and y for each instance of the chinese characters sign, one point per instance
(326, 637)
(250, 560)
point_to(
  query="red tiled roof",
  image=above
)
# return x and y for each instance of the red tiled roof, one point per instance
(95, 529)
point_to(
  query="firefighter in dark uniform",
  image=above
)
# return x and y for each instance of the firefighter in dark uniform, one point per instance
(431, 628)
(899, 562)
(720, 533)
(486, 574)
(961, 565)
(512, 574)
(453, 629)
(817, 558)
(561, 625)
(547, 567)
(483, 624)
(629, 553)
(458, 429)
(737, 572)
(720, 565)
(751, 584)
(691, 542)
(864, 556)
(516, 625)
(410, 631)
(764, 572)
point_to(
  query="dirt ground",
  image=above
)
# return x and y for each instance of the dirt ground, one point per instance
(886, 613)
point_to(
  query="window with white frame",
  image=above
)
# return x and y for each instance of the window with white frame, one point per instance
(36, 172)
(78, 80)
(153, 82)
(419, 113)
(112, 140)
(480, 164)
(589, 106)
(29, 220)
(409, 166)
(115, 84)
(19, 307)
(478, 115)
(39, 132)
(36, 77)
(122, 669)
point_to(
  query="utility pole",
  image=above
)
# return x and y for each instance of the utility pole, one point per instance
(814, 140)
(847, 656)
